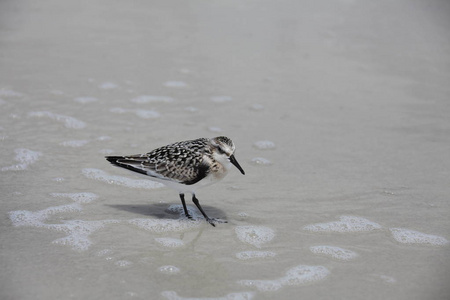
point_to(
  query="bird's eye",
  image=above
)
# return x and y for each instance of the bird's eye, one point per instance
(220, 150)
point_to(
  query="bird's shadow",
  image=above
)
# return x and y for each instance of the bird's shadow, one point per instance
(161, 211)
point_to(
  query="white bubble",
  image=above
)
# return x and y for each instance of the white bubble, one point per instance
(74, 143)
(261, 161)
(123, 263)
(346, 224)
(296, 276)
(119, 180)
(334, 252)
(170, 242)
(145, 114)
(147, 99)
(246, 255)
(69, 122)
(77, 197)
(255, 235)
(164, 225)
(264, 145)
(25, 157)
(78, 232)
(407, 236)
(37, 218)
(104, 252)
(169, 269)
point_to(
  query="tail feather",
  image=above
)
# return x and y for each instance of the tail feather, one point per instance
(120, 161)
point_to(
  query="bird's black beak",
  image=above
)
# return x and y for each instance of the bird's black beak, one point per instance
(236, 164)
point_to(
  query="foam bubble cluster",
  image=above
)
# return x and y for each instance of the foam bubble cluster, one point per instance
(69, 122)
(77, 197)
(119, 180)
(255, 235)
(164, 225)
(145, 114)
(334, 252)
(345, 224)
(246, 255)
(407, 236)
(261, 161)
(25, 157)
(264, 145)
(169, 269)
(123, 263)
(78, 231)
(170, 242)
(37, 218)
(147, 99)
(74, 143)
(296, 276)
(171, 295)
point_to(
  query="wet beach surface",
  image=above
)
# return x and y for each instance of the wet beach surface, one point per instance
(340, 115)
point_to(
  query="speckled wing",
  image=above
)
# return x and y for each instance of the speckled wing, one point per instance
(180, 162)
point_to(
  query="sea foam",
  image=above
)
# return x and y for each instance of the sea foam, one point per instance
(246, 255)
(164, 225)
(74, 143)
(255, 235)
(69, 122)
(77, 197)
(407, 236)
(261, 161)
(264, 145)
(119, 180)
(334, 252)
(298, 275)
(85, 100)
(147, 99)
(169, 269)
(145, 114)
(345, 224)
(25, 157)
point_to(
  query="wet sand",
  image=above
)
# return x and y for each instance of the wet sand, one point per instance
(339, 111)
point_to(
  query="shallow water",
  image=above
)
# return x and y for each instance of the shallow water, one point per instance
(339, 112)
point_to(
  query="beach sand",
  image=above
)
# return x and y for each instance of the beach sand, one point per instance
(340, 115)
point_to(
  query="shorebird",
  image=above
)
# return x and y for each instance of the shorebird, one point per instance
(185, 166)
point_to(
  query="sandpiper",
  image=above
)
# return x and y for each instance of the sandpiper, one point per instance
(185, 166)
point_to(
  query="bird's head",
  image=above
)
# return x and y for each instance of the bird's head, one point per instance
(223, 150)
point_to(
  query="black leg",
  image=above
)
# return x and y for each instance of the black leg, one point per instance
(184, 206)
(195, 200)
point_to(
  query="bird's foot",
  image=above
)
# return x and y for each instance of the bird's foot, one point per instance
(213, 221)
